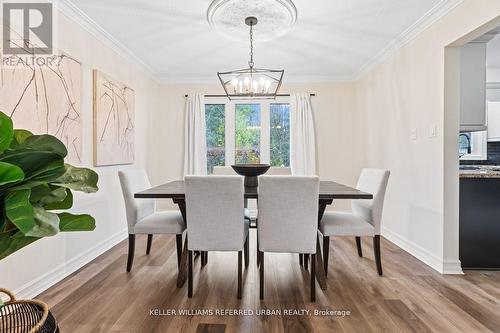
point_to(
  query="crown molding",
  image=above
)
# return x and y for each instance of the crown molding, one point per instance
(68, 8)
(432, 16)
(287, 78)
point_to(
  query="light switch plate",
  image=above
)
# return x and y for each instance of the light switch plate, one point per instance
(414, 134)
(433, 131)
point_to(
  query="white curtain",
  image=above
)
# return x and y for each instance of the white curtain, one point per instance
(302, 135)
(195, 148)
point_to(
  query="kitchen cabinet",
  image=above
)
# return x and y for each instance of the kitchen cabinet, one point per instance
(479, 235)
(473, 87)
(493, 121)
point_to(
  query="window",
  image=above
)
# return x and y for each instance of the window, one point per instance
(242, 132)
(247, 133)
(280, 135)
(216, 139)
(473, 146)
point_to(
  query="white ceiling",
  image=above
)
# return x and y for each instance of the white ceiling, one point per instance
(331, 40)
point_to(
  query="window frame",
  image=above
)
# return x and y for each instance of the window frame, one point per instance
(479, 147)
(265, 124)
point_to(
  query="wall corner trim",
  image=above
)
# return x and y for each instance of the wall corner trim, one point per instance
(47, 280)
(433, 15)
(424, 255)
(68, 8)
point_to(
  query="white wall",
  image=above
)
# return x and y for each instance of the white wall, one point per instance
(334, 110)
(406, 93)
(32, 269)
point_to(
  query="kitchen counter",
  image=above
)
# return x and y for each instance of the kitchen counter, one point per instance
(479, 171)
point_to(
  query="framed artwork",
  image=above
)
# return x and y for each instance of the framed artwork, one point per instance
(113, 121)
(45, 98)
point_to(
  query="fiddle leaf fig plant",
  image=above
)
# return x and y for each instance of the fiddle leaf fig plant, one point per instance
(36, 187)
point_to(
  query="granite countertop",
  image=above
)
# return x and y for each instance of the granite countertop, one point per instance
(479, 171)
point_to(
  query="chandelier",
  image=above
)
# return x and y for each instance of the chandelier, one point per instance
(251, 82)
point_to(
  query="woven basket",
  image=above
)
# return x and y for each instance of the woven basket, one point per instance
(25, 316)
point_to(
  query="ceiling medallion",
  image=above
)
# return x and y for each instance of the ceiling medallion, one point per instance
(276, 17)
(251, 82)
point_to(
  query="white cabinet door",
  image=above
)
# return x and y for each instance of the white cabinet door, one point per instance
(493, 121)
(473, 87)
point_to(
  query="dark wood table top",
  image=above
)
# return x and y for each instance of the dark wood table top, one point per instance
(328, 190)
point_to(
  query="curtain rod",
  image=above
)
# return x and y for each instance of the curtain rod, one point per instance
(278, 95)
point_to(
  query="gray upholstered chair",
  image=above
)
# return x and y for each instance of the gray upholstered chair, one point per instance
(279, 171)
(365, 218)
(214, 211)
(288, 219)
(142, 217)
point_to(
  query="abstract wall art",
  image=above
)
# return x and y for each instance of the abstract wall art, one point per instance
(45, 98)
(113, 121)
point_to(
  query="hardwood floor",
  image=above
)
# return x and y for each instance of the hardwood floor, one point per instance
(410, 297)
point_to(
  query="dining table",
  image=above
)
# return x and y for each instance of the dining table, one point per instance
(328, 192)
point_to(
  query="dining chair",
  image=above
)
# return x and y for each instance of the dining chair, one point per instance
(142, 217)
(214, 211)
(288, 219)
(228, 171)
(364, 219)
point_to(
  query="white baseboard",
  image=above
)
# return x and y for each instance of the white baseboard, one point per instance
(42, 283)
(452, 267)
(424, 255)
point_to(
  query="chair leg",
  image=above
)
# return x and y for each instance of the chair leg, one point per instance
(131, 250)
(358, 245)
(239, 273)
(247, 254)
(150, 242)
(190, 273)
(313, 278)
(301, 259)
(261, 271)
(178, 242)
(204, 258)
(306, 261)
(258, 253)
(376, 250)
(326, 253)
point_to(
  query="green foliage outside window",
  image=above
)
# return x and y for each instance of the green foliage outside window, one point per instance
(247, 131)
(215, 129)
(280, 135)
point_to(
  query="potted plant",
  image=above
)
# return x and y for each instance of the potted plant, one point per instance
(36, 188)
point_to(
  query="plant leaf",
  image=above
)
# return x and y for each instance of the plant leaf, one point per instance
(44, 142)
(19, 210)
(12, 242)
(10, 173)
(70, 222)
(78, 179)
(67, 203)
(45, 194)
(32, 162)
(46, 223)
(51, 197)
(6, 131)
(20, 135)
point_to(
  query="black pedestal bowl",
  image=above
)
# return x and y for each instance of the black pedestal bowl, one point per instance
(251, 172)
